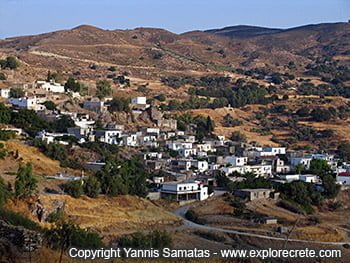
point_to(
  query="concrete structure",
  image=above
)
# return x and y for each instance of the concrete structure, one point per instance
(94, 166)
(343, 178)
(139, 100)
(268, 221)
(304, 161)
(4, 93)
(187, 152)
(259, 170)
(176, 145)
(205, 147)
(29, 103)
(109, 136)
(51, 137)
(201, 166)
(308, 178)
(184, 191)
(50, 86)
(95, 105)
(82, 133)
(152, 156)
(236, 161)
(139, 104)
(280, 167)
(129, 139)
(289, 177)
(253, 194)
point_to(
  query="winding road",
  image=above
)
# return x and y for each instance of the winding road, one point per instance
(181, 212)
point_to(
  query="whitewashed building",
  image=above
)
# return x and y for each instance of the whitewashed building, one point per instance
(29, 103)
(50, 86)
(187, 152)
(184, 191)
(258, 170)
(236, 161)
(304, 161)
(176, 145)
(4, 93)
(343, 178)
(109, 136)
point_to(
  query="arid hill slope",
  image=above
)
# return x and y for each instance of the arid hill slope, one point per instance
(157, 50)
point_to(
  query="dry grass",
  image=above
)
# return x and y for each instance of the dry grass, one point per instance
(111, 216)
(319, 233)
(245, 116)
(42, 165)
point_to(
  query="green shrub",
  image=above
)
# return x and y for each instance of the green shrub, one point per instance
(92, 186)
(17, 219)
(291, 206)
(74, 188)
(156, 239)
(7, 135)
(69, 235)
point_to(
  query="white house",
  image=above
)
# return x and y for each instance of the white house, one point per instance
(139, 100)
(83, 121)
(343, 178)
(50, 86)
(29, 103)
(187, 152)
(180, 133)
(176, 145)
(109, 136)
(201, 166)
(205, 147)
(271, 151)
(259, 170)
(139, 104)
(281, 167)
(51, 137)
(184, 191)
(202, 154)
(4, 93)
(189, 138)
(236, 161)
(304, 161)
(289, 177)
(129, 139)
(158, 179)
(308, 178)
(152, 155)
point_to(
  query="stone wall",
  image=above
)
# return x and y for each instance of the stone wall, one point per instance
(22, 238)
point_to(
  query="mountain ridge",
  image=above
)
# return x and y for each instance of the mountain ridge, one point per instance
(163, 50)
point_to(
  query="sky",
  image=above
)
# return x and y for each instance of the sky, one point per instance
(28, 17)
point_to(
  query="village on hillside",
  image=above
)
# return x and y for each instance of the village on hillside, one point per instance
(185, 167)
(164, 150)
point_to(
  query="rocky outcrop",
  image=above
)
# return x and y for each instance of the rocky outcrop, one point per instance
(22, 238)
(41, 212)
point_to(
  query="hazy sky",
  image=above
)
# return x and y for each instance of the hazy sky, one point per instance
(25, 17)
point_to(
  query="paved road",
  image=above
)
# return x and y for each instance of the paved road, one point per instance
(189, 224)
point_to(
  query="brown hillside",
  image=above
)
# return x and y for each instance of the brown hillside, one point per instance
(150, 52)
